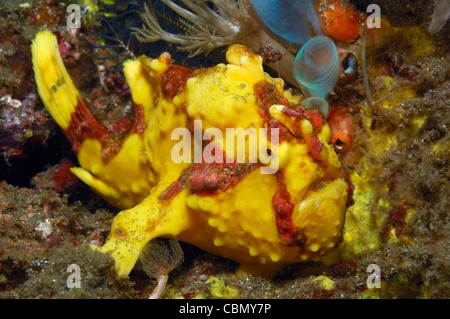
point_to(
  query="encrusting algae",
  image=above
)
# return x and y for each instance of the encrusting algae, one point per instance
(231, 208)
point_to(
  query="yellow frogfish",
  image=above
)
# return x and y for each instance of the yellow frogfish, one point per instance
(221, 158)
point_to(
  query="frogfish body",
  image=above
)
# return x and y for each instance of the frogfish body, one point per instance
(223, 201)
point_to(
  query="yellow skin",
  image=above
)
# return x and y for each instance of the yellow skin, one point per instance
(238, 223)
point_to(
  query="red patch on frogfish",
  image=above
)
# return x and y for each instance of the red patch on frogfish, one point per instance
(213, 178)
(174, 80)
(119, 125)
(83, 125)
(292, 113)
(267, 95)
(315, 147)
(174, 189)
(283, 132)
(281, 201)
(136, 125)
(139, 124)
(207, 179)
(313, 116)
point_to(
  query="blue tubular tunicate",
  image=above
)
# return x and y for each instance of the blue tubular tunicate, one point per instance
(316, 103)
(316, 67)
(290, 22)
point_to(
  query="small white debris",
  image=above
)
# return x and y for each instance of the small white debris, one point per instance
(15, 103)
(8, 100)
(45, 227)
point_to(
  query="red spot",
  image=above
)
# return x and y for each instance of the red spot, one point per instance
(189, 295)
(208, 179)
(386, 70)
(139, 124)
(70, 53)
(174, 80)
(396, 220)
(84, 125)
(54, 240)
(74, 241)
(408, 74)
(343, 268)
(315, 147)
(267, 95)
(64, 48)
(214, 178)
(124, 124)
(174, 189)
(350, 192)
(289, 234)
(361, 288)
(315, 118)
(283, 132)
(120, 125)
(62, 178)
(393, 174)
(264, 115)
(293, 114)
(284, 101)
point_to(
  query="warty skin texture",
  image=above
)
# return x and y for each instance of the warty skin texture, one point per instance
(242, 221)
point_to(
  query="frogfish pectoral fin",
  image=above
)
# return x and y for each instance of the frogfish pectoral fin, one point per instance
(95, 183)
(133, 228)
(320, 218)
